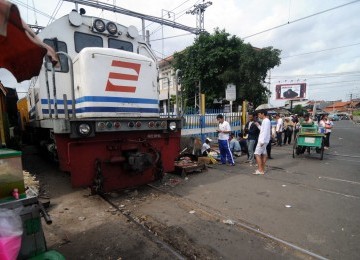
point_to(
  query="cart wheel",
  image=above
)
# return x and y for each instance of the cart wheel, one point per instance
(295, 148)
(322, 150)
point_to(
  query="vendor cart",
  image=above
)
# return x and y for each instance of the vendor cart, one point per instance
(310, 138)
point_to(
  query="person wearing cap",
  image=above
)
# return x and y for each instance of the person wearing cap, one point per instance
(224, 130)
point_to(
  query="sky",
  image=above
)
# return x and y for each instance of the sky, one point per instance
(319, 40)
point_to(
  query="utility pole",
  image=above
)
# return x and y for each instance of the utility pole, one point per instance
(199, 10)
(269, 84)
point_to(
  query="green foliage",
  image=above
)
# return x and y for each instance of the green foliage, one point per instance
(299, 110)
(356, 113)
(219, 59)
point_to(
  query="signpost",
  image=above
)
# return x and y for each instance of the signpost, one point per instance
(230, 94)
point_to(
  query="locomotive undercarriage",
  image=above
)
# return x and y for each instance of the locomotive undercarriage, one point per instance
(106, 162)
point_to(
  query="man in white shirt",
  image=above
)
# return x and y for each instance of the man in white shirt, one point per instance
(205, 149)
(264, 139)
(224, 130)
(279, 129)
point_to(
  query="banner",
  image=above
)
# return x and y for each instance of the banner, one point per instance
(290, 91)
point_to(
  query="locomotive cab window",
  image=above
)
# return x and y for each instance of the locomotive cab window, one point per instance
(120, 45)
(83, 40)
(58, 46)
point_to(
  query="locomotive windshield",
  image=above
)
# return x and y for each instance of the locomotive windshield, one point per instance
(59, 46)
(83, 40)
(121, 45)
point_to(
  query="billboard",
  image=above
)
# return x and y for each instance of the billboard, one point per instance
(290, 91)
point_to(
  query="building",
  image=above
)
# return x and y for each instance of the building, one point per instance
(342, 107)
(167, 85)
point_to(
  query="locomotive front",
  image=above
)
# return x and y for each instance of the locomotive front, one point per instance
(99, 112)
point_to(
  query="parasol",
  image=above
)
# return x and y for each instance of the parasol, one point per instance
(264, 106)
(21, 51)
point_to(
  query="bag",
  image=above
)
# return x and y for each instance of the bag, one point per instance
(10, 234)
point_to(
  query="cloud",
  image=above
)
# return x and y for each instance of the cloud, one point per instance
(318, 32)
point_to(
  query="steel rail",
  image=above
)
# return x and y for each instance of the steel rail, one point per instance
(245, 226)
(147, 231)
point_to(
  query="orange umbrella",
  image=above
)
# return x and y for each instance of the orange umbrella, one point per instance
(21, 51)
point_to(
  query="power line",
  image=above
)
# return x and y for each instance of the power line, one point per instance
(171, 10)
(174, 36)
(339, 74)
(300, 19)
(334, 82)
(56, 10)
(31, 8)
(176, 15)
(312, 52)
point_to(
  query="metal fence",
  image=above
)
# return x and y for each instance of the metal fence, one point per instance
(193, 127)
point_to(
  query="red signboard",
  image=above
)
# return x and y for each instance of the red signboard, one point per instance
(290, 91)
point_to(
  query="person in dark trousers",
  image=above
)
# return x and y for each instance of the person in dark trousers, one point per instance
(252, 131)
(288, 131)
(268, 146)
(243, 144)
(279, 129)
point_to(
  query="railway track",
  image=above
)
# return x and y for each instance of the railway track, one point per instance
(209, 213)
(148, 232)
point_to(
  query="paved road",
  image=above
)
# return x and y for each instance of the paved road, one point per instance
(324, 196)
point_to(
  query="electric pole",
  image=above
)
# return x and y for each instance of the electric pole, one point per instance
(199, 10)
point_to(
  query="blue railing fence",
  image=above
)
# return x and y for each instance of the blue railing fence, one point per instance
(196, 125)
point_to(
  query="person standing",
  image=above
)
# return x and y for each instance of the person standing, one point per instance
(296, 125)
(279, 129)
(325, 123)
(224, 130)
(328, 126)
(252, 130)
(264, 139)
(288, 130)
(268, 147)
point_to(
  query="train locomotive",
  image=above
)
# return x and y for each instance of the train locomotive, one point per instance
(97, 112)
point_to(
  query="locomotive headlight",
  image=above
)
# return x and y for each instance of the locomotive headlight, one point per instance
(172, 126)
(111, 27)
(99, 25)
(84, 129)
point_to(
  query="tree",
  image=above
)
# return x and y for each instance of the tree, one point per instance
(219, 59)
(299, 110)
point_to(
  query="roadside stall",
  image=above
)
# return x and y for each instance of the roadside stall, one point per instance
(21, 233)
